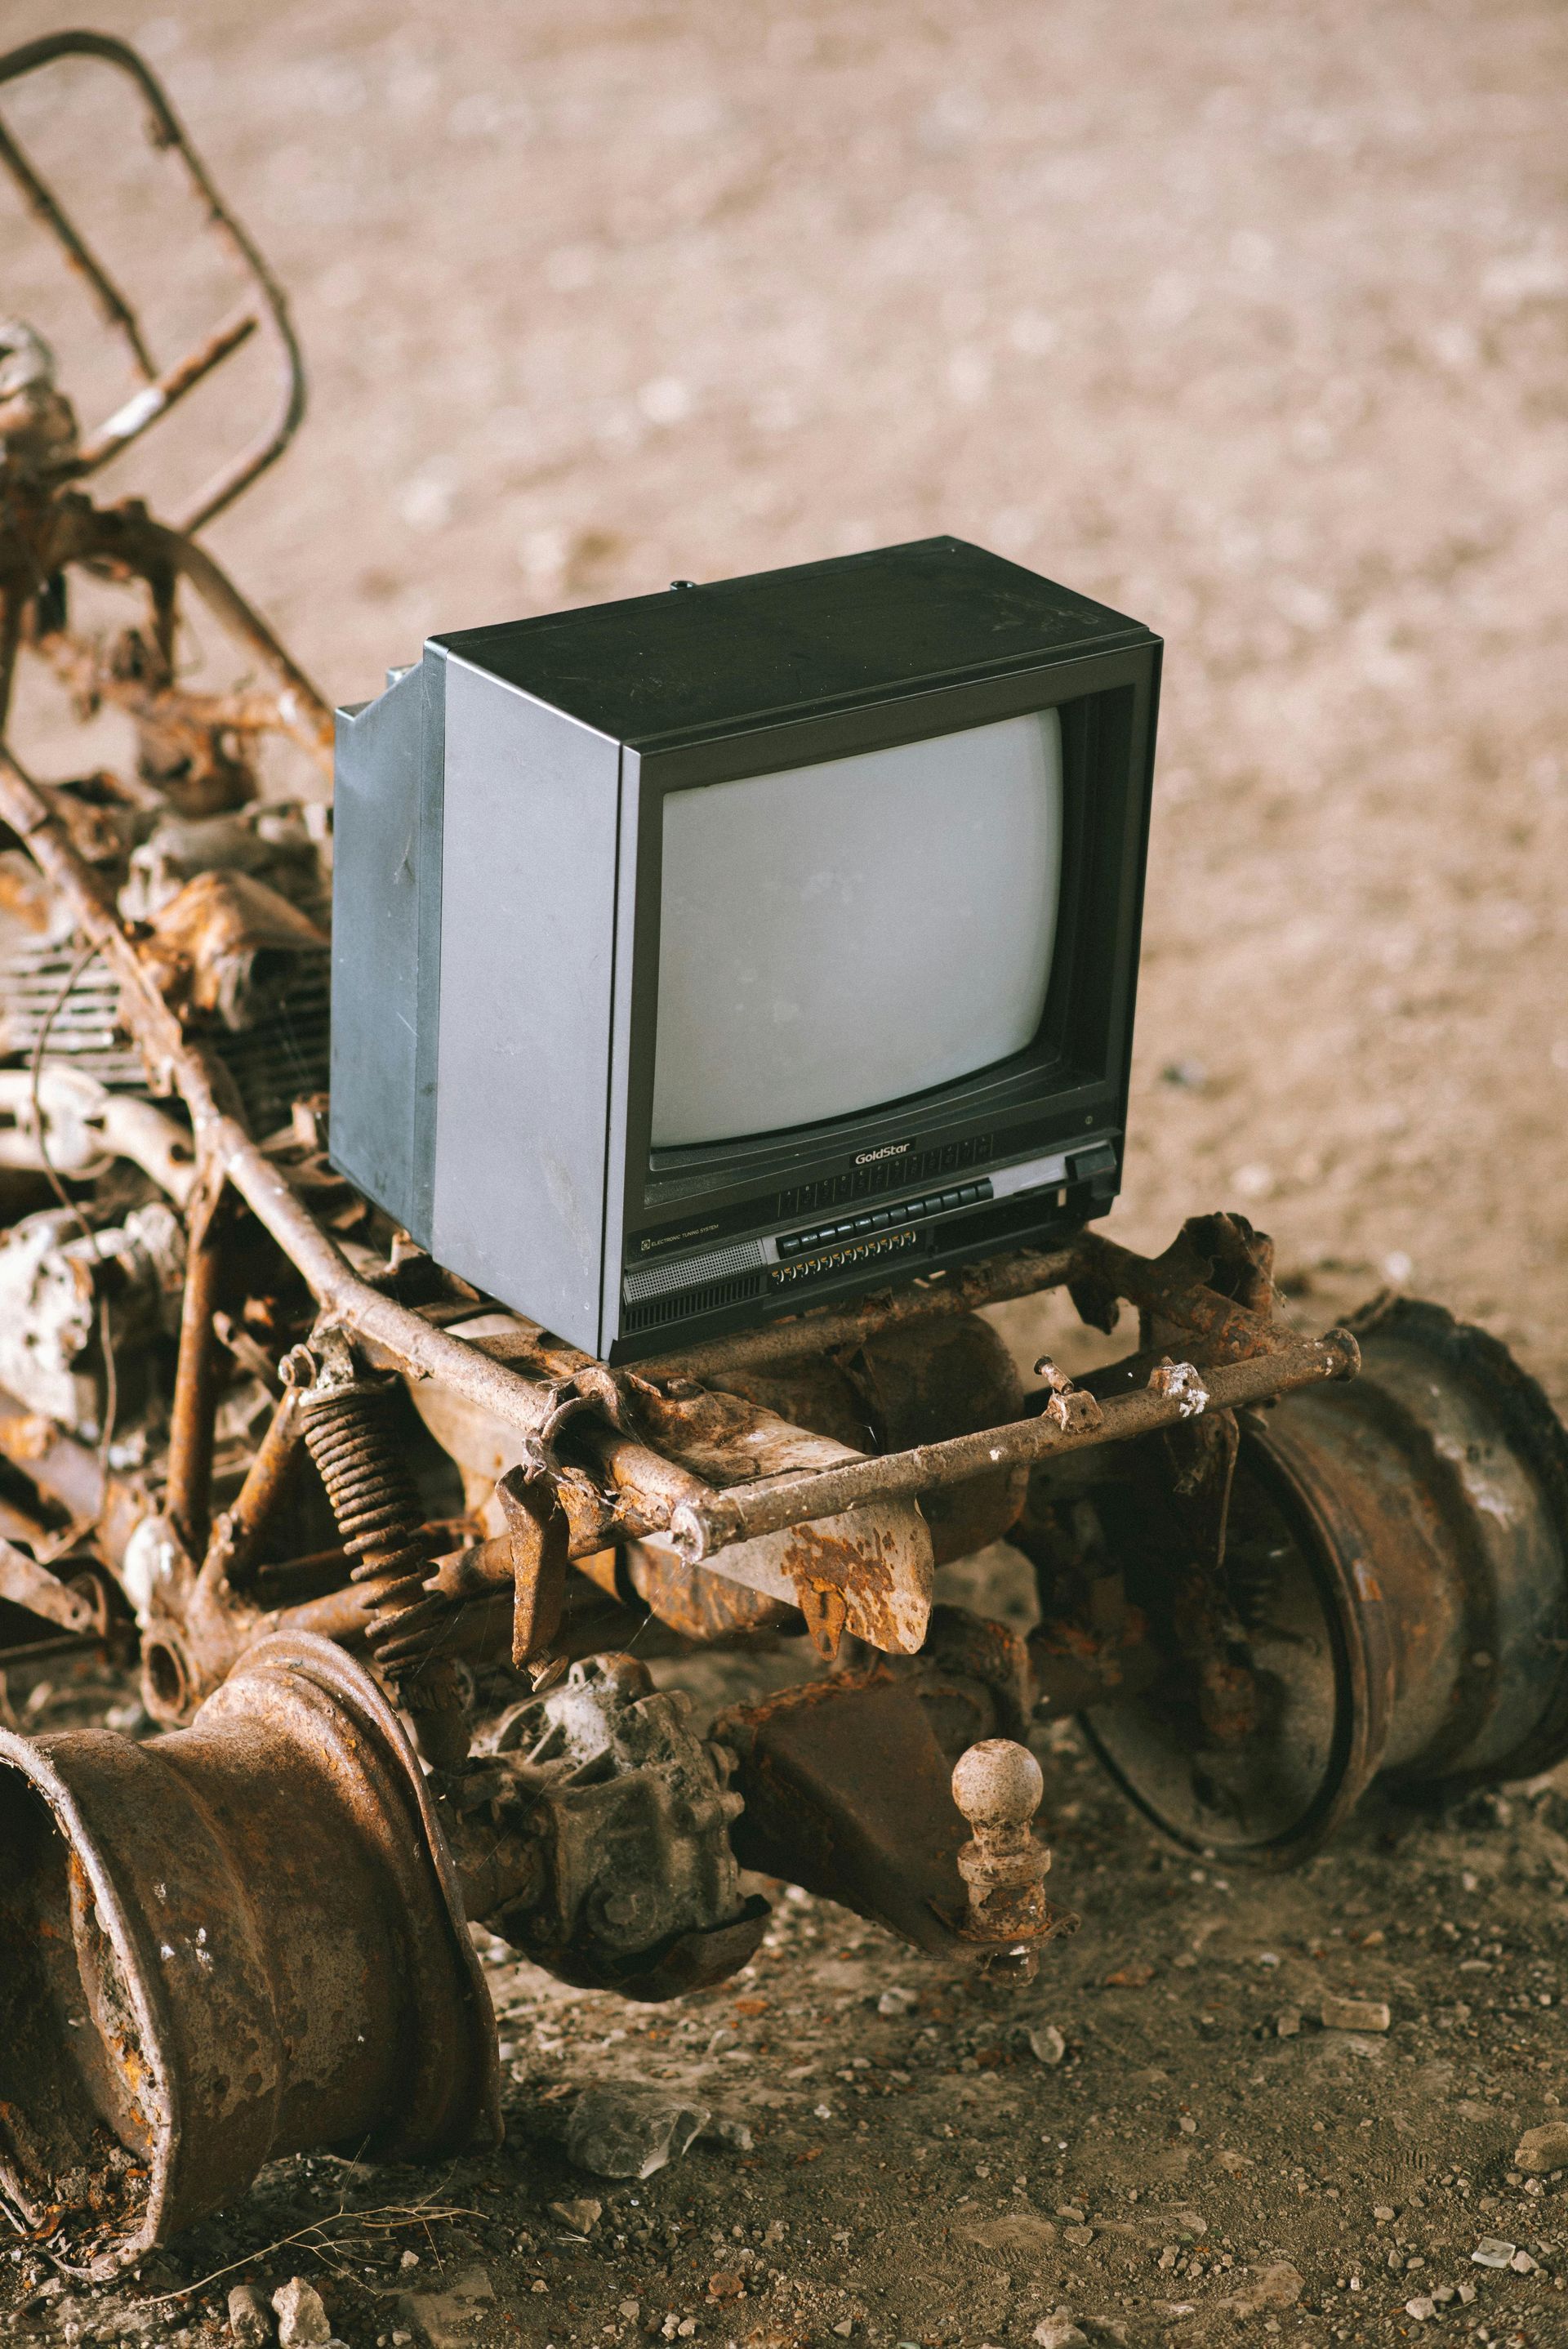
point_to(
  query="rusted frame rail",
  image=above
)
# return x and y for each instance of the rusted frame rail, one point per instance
(163, 388)
(65, 530)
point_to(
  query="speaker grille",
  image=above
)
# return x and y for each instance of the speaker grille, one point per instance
(655, 1311)
(714, 1263)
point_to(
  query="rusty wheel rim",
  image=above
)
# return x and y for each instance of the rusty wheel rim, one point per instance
(1271, 1798)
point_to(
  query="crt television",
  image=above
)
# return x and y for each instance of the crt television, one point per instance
(704, 956)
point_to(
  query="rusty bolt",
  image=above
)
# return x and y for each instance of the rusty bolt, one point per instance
(1179, 1383)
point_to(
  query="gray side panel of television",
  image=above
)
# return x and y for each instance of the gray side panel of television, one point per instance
(482, 852)
(386, 899)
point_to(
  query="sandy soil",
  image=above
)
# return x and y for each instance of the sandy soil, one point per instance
(1251, 320)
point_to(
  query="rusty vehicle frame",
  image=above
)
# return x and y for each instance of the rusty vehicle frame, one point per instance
(709, 1494)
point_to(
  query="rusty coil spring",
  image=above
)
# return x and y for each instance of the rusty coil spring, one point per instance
(349, 1433)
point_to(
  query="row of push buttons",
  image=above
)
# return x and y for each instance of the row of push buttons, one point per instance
(838, 1260)
(881, 1218)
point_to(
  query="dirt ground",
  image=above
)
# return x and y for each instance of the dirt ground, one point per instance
(1251, 320)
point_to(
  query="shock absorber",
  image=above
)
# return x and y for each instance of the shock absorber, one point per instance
(350, 1435)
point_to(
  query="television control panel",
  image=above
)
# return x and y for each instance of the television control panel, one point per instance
(803, 1256)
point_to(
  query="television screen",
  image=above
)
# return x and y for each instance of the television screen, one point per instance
(841, 935)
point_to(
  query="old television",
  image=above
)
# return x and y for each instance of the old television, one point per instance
(706, 956)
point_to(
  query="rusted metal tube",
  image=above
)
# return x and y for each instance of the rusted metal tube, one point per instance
(167, 132)
(236, 1536)
(744, 1512)
(82, 532)
(648, 1487)
(28, 1583)
(345, 1614)
(301, 708)
(46, 208)
(192, 1413)
(159, 396)
(1208, 1318)
(1020, 1274)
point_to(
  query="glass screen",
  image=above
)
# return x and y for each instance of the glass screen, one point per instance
(836, 937)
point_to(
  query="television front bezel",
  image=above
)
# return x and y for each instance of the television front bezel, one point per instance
(1110, 809)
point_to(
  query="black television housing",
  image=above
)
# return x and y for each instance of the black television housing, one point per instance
(496, 948)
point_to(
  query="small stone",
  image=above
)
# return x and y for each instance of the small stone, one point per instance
(1355, 2014)
(630, 2130)
(581, 2216)
(1046, 2044)
(1080, 2237)
(845, 2328)
(251, 2317)
(1491, 2252)
(1521, 2263)
(401, 2340)
(729, 2128)
(1022, 2232)
(630, 2308)
(1421, 2307)
(1543, 2149)
(1382, 2211)
(726, 2285)
(1276, 2286)
(1467, 2294)
(1287, 2022)
(895, 2000)
(410, 2259)
(302, 2318)
(1060, 2333)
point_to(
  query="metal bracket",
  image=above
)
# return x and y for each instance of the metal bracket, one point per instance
(541, 1542)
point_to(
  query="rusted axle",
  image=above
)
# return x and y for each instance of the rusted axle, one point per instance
(699, 1528)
